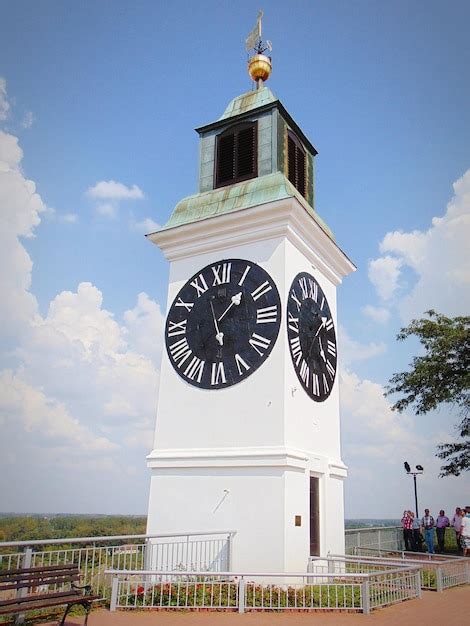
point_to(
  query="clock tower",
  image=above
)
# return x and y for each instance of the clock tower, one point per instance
(247, 434)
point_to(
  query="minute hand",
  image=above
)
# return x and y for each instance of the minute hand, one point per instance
(236, 299)
(323, 322)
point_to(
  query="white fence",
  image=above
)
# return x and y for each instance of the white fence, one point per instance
(209, 552)
(438, 571)
(381, 538)
(337, 590)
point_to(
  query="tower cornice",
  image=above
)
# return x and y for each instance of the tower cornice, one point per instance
(283, 218)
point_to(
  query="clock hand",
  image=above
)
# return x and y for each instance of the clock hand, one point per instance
(219, 337)
(236, 299)
(323, 322)
(322, 325)
(322, 352)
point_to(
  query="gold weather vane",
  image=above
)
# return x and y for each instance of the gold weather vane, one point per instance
(259, 65)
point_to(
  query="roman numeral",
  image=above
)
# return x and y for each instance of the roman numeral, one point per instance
(293, 322)
(218, 374)
(331, 347)
(322, 303)
(257, 341)
(241, 364)
(303, 287)
(331, 369)
(296, 350)
(325, 384)
(180, 351)
(221, 273)
(195, 369)
(187, 305)
(176, 328)
(329, 324)
(293, 295)
(200, 288)
(261, 290)
(242, 279)
(304, 372)
(267, 315)
(313, 289)
(315, 385)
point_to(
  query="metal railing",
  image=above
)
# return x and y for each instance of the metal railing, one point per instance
(206, 551)
(318, 589)
(382, 538)
(438, 571)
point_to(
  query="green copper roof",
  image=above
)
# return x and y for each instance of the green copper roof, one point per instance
(248, 101)
(237, 197)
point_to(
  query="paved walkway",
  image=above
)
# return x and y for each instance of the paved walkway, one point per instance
(450, 607)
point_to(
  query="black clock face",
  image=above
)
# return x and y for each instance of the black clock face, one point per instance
(312, 337)
(223, 324)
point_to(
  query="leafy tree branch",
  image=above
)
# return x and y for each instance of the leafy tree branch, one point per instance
(440, 376)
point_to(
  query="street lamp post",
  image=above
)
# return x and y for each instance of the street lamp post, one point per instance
(419, 470)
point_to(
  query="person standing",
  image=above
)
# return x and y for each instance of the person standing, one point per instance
(428, 524)
(457, 523)
(441, 524)
(465, 532)
(415, 534)
(407, 523)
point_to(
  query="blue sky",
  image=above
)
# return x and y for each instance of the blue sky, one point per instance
(102, 91)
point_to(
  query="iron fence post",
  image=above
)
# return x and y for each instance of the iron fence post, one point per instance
(241, 595)
(365, 596)
(467, 572)
(419, 593)
(114, 594)
(229, 551)
(25, 563)
(439, 586)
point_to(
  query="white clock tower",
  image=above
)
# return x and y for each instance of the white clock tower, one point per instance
(247, 433)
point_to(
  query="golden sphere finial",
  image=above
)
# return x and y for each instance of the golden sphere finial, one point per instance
(259, 67)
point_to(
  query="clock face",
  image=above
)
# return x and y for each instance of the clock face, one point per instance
(223, 324)
(312, 337)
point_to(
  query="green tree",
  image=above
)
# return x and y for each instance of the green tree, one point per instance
(440, 376)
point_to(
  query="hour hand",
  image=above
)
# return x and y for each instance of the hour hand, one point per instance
(322, 352)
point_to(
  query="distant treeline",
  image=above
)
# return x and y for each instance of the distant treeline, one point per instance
(30, 527)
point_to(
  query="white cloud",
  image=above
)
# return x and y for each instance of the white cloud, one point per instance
(4, 104)
(438, 256)
(384, 273)
(106, 209)
(144, 226)
(377, 313)
(10, 152)
(20, 208)
(376, 442)
(144, 325)
(28, 120)
(111, 189)
(23, 404)
(354, 351)
(69, 218)
(80, 385)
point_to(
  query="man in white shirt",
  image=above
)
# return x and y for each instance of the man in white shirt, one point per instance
(465, 532)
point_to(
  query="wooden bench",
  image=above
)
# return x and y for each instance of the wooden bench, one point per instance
(43, 587)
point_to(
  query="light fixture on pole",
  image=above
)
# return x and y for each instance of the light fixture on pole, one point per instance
(419, 470)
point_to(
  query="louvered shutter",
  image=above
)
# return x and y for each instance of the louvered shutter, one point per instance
(236, 154)
(296, 163)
